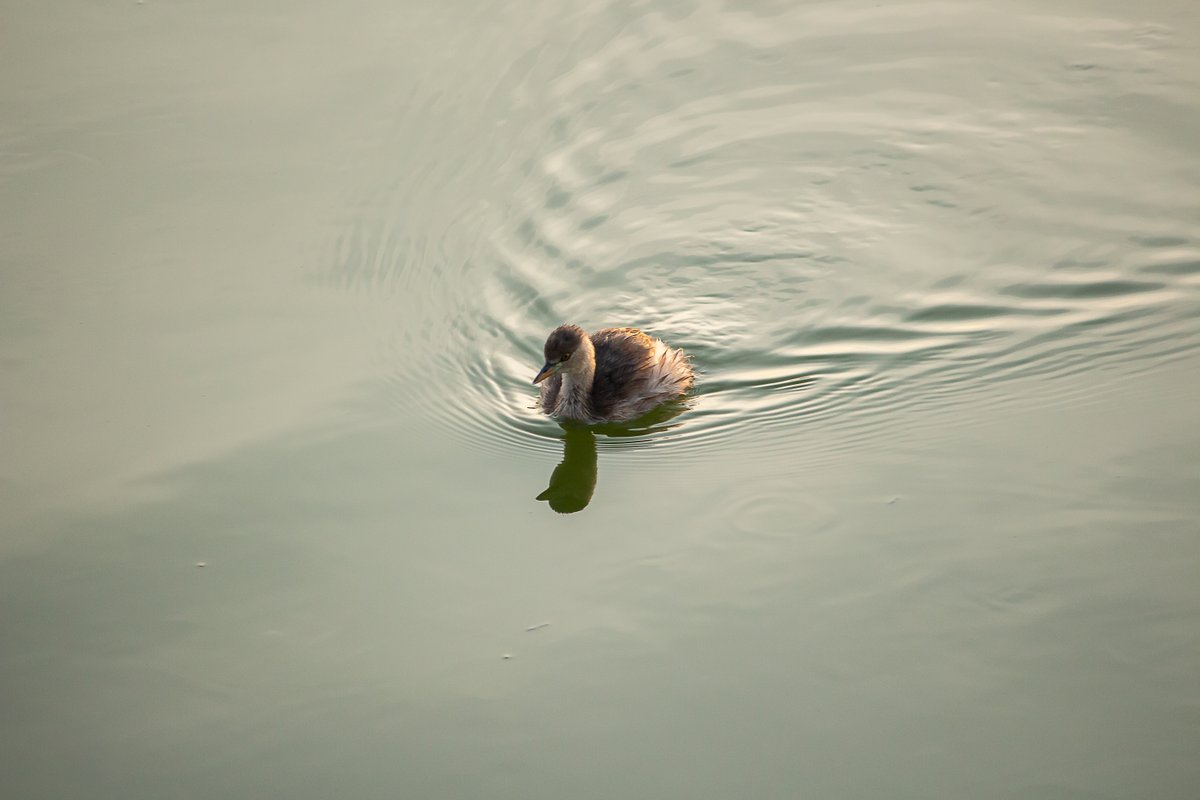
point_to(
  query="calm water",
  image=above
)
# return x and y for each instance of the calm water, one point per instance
(275, 278)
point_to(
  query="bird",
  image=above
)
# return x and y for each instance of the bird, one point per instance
(612, 375)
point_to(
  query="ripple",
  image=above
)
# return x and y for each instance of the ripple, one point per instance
(1108, 288)
(832, 245)
(969, 312)
(1180, 268)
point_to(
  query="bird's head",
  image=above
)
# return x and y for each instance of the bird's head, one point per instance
(561, 345)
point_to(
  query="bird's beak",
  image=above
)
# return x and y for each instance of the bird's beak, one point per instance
(548, 369)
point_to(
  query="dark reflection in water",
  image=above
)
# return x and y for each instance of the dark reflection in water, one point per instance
(574, 479)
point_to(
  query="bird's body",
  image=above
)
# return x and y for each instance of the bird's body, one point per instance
(612, 375)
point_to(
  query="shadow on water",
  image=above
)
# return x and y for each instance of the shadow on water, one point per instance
(573, 481)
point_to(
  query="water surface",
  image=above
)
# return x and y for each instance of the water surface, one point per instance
(276, 278)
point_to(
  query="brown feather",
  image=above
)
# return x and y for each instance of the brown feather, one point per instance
(633, 373)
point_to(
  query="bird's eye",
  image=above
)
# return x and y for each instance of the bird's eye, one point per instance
(565, 356)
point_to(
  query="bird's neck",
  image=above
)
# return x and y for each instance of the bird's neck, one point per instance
(577, 383)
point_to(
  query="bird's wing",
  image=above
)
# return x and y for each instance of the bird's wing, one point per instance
(622, 366)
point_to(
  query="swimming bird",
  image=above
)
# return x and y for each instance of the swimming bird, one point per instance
(612, 375)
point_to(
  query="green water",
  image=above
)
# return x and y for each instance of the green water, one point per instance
(274, 279)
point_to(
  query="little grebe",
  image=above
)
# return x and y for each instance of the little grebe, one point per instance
(612, 375)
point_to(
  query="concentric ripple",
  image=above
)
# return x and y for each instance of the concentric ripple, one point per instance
(832, 241)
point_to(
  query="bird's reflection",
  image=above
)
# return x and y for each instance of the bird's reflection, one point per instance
(573, 481)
